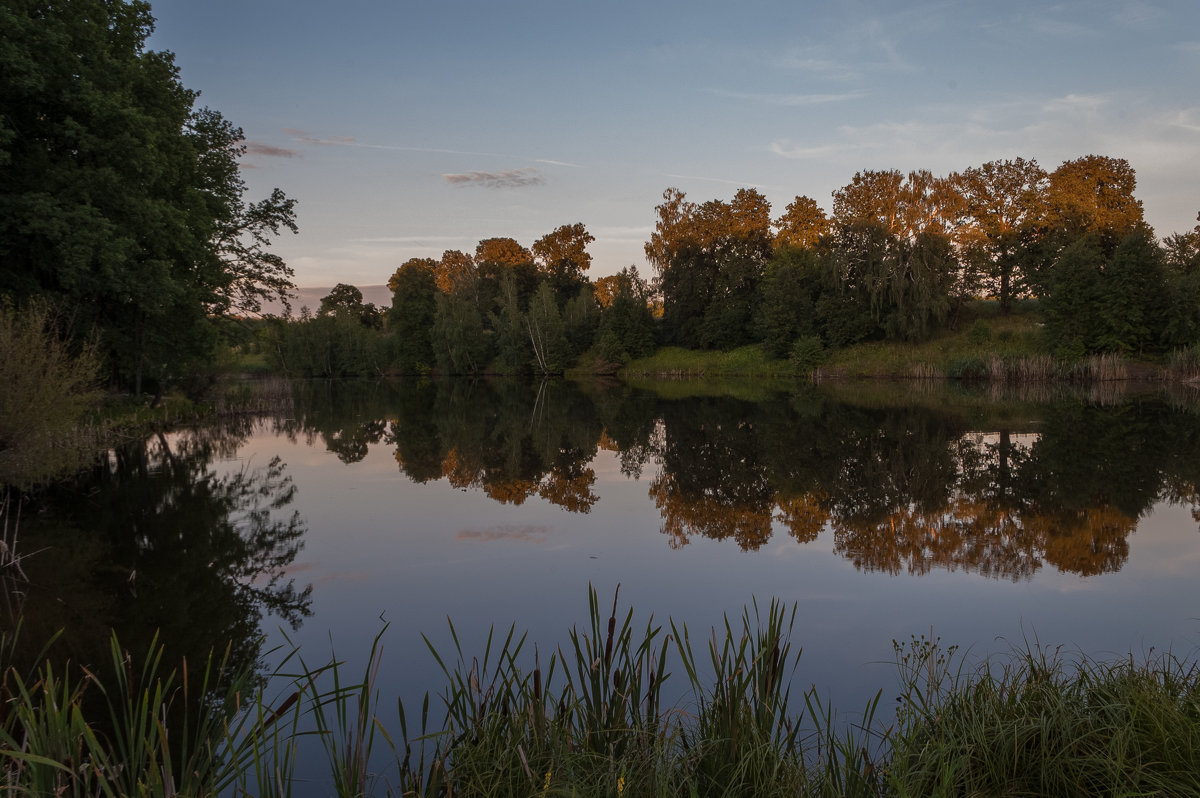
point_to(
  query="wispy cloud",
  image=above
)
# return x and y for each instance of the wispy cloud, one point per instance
(269, 151)
(350, 141)
(527, 533)
(1137, 13)
(786, 148)
(1188, 119)
(508, 178)
(792, 100)
(419, 240)
(814, 60)
(1075, 103)
(308, 138)
(723, 181)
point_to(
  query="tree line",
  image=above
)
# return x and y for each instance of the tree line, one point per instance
(504, 308)
(899, 258)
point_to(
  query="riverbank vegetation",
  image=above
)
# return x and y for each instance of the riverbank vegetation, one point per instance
(621, 709)
(1002, 272)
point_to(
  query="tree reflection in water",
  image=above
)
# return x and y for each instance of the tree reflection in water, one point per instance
(950, 482)
(153, 542)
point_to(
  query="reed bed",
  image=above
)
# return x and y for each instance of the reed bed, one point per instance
(591, 719)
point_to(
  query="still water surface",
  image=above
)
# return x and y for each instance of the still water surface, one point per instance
(883, 512)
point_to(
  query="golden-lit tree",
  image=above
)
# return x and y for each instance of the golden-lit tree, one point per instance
(455, 271)
(1094, 194)
(1000, 200)
(563, 258)
(802, 224)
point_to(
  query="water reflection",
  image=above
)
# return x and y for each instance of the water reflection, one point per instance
(152, 542)
(954, 482)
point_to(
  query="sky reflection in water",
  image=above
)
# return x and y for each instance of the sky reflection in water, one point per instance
(1064, 523)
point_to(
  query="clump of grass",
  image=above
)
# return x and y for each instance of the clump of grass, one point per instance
(1038, 725)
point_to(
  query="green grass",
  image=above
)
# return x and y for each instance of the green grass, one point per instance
(673, 361)
(985, 345)
(590, 719)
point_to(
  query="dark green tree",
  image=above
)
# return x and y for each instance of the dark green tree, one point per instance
(710, 259)
(547, 333)
(410, 319)
(786, 310)
(514, 352)
(459, 341)
(119, 201)
(1070, 305)
(1135, 298)
(627, 325)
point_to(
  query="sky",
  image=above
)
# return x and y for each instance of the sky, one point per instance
(404, 129)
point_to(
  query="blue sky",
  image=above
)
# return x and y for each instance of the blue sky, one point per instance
(404, 128)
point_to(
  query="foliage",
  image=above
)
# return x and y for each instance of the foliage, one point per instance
(563, 258)
(807, 354)
(786, 310)
(460, 344)
(626, 329)
(48, 387)
(331, 345)
(710, 259)
(411, 317)
(120, 202)
(1001, 199)
(1039, 725)
(547, 333)
(514, 353)
(592, 720)
(1094, 195)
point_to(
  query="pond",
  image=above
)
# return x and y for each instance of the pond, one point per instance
(881, 510)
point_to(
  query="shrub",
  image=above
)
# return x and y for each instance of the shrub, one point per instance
(808, 354)
(967, 368)
(979, 333)
(47, 390)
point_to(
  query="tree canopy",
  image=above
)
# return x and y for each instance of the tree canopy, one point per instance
(120, 201)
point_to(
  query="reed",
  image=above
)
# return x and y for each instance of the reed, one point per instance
(591, 720)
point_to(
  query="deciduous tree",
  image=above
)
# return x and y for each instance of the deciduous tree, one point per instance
(802, 224)
(563, 258)
(1094, 194)
(1000, 200)
(119, 201)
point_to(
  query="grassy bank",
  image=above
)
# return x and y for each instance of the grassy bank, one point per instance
(591, 720)
(988, 347)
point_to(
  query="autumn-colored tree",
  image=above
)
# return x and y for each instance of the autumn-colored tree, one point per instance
(1094, 194)
(710, 259)
(563, 258)
(455, 271)
(893, 250)
(803, 224)
(1001, 199)
(497, 257)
